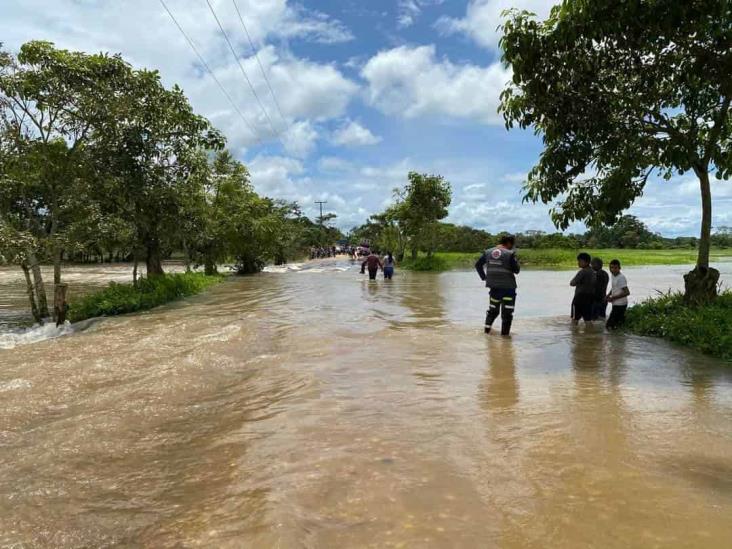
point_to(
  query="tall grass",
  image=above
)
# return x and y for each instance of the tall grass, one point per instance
(117, 299)
(707, 328)
(565, 259)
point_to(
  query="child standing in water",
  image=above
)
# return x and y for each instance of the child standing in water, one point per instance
(584, 290)
(388, 266)
(618, 296)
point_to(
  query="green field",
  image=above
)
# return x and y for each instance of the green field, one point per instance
(566, 259)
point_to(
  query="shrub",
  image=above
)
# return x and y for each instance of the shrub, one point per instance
(425, 263)
(707, 328)
(117, 299)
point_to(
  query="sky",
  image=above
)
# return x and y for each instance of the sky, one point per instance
(338, 100)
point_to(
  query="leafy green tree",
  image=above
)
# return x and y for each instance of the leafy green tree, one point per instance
(421, 204)
(50, 101)
(151, 145)
(626, 232)
(618, 90)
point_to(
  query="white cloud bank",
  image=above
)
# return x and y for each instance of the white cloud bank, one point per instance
(483, 17)
(411, 81)
(144, 34)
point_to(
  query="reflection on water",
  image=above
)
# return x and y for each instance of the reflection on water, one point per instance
(318, 409)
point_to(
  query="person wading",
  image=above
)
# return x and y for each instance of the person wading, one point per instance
(498, 267)
(373, 263)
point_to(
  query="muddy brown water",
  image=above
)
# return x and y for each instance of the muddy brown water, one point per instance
(317, 409)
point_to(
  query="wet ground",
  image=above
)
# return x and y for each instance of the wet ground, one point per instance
(312, 408)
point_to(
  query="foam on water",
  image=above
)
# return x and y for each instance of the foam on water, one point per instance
(34, 334)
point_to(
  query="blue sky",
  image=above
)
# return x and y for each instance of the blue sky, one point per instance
(368, 90)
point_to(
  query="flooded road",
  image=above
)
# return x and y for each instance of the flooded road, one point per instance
(317, 409)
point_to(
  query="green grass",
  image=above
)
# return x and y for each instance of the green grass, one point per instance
(565, 259)
(706, 328)
(117, 299)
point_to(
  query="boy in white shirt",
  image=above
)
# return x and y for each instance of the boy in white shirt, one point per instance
(618, 296)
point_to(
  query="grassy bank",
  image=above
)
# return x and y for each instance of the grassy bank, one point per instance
(564, 259)
(117, 299)
(707, 329)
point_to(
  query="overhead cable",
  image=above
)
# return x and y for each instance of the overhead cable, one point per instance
(261, 67)
(208, 69)
(244, 73)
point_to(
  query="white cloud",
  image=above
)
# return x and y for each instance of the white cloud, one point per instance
(354, 134)
(409, 10)
(483, 17)
(314, 26)
(300, 138)
(411, 81)
(145, 36)
(334, 164)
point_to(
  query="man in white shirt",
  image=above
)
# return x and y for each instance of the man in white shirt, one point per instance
(618, 296)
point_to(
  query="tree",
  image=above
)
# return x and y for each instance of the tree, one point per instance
(618, 90)
(420, 205)
(49, 102)
(626, 232)
(151, 144)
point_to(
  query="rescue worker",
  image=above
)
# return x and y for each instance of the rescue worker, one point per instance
(499, 266)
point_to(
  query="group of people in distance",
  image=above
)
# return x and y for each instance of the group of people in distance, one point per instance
(323, 251)
(498, 268)
(374, 262)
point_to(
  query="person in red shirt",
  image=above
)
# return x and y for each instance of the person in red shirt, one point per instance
(373, 263)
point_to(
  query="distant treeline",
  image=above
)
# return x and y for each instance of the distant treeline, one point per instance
(629, 233)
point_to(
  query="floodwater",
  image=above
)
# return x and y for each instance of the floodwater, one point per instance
(313, 408)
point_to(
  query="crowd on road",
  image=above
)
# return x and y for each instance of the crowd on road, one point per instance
(323, 251)
(498, 267)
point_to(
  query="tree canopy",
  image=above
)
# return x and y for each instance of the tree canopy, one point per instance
(618, 90)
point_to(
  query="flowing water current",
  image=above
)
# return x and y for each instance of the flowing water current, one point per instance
(312, 408)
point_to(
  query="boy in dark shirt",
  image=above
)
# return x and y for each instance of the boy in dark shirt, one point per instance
(584, 290)
(599, 307)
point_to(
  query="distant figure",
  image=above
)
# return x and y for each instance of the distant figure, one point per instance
(618, 296)
(584, 290)
(599, 307)
(388, 266)
(373, 262)
(499, 266)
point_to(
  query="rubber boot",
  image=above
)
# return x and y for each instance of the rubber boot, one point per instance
(490, 316)
(506, 327)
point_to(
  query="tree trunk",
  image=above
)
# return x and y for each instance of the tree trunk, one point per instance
(31, 294)
(209, 266)
(701, 283)
(60, 306)
(39, 285)
(153, 262)
(134, 270)
(706, 221)
(57, 266)
(187, 256)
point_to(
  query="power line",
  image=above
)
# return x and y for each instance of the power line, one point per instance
(321, 202)
(206, 66)
(241, 67)
(261, 68)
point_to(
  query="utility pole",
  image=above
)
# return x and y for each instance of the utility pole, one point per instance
(321, 202)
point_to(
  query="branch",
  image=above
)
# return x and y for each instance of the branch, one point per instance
(716, 130)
